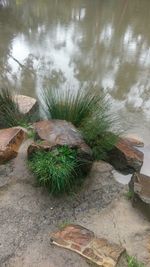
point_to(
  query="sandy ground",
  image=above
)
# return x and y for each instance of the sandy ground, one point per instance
(28, 214)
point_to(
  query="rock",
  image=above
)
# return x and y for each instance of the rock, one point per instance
(54, 133)
(125, 157)
(84, 242)
(10, 141)
(27, 105)
(140, 186)
(134, 140)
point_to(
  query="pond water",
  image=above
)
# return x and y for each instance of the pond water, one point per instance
(59, 43)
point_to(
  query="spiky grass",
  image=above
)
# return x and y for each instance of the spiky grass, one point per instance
(69, 105)
(9, 111)
(57, 170)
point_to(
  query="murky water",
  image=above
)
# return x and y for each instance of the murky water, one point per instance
(52, 43)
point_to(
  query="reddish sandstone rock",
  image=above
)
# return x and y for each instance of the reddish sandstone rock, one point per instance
(10, 141)
(60, 132)
(125, 157)
(27, 105)
(55, 133)
(134, 140)
(140, 186)
(84, 242)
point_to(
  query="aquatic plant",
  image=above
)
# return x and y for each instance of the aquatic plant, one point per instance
(58, 170)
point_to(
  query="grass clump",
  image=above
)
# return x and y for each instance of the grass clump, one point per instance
(132, 262)
(10, 115)
(89, 111)
(97, 134)
(58, 170)
(70, 106)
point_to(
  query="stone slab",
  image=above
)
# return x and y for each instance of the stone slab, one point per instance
(84, 242)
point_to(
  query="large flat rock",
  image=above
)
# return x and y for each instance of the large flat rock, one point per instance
(60, 132)
(10, 141)
(84, 242)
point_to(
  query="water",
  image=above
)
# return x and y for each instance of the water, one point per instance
(53, 43)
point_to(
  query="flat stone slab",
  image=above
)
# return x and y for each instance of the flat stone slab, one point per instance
(10, 141)
(27, 105)
(84, 242)
(125, 157)
(140, 186)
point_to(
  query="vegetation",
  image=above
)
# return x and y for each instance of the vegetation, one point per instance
(58, 170)
(89, 111)
(132, 262)
(129, 195)
(97, 135)
(9, 111)
(63, 224)
(70, 106)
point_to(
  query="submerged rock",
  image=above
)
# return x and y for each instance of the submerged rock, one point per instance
(140, 186)
(125, 157)
(84, 242)
(10, 141)
(53, 133)
(27, 105)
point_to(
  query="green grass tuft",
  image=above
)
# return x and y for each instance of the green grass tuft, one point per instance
(70, 106)
(58, 170)
(132, 262)
(129, 195)
(97, 134)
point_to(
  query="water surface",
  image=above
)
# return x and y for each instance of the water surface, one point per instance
(106, 43)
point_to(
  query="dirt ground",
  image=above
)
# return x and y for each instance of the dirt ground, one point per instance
(28, 214)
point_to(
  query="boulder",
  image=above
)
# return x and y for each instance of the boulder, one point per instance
(83, 241)
(27, 105)
(134, 140)
(53, 133)
(10, 141)
(125, 157)
(140, 187)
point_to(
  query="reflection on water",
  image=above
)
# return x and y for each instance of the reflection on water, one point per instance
(79, 42)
